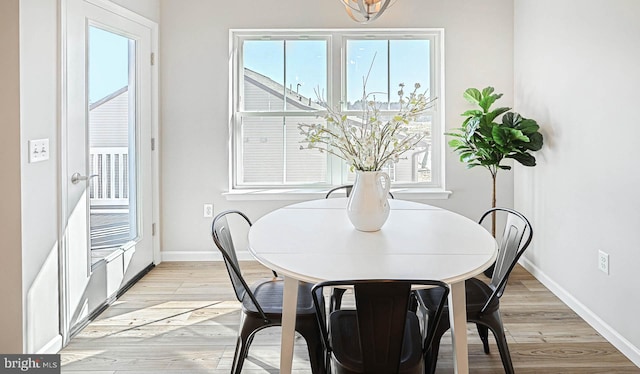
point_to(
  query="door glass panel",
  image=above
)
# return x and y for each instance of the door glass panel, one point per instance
(111, 135)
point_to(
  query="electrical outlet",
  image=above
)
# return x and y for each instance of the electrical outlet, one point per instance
(603, 262)
(208, 211)
(38, 150)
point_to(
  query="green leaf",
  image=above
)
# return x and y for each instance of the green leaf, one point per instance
(535, 142)
(517, 135)
(467, 157)
(524, 158)
(472, 125)
(485, 128)
(495, 113)
(472, 113)
(467, 154)
(487, 91)
(504, 149)
(486, 101)
(511, 119)
(455, 143)
(528, 126)
(472, 95)
(500, 136)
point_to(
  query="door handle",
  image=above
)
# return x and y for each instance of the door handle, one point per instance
(77, 177)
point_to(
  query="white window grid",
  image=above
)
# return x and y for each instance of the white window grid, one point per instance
(336, 97)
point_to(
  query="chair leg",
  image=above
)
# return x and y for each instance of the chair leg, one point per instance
(497, 328)
(431, 354)
(483, 331)
(245, 337)
(505, 356)
(311, 335)
(336, 299)
(242, 348)
(413, 302)
(236, 356)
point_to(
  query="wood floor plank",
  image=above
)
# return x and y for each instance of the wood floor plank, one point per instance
(183, 317)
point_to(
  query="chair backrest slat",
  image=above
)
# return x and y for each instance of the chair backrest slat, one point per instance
(222, 236)
(381, 310)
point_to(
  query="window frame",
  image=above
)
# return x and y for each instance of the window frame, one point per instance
(336, 96)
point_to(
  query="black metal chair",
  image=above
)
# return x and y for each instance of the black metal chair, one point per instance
(483, 300)
(262, 302)
(381, 336)
(337, 293)
(347, 188)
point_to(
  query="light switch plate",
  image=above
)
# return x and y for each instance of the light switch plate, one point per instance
(38, 150)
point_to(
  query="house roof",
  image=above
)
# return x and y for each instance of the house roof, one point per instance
(276, 89)
(109, 97)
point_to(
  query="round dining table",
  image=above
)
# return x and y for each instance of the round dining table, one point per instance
(314, 241)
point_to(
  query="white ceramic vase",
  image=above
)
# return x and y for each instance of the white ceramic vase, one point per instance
(368, 207)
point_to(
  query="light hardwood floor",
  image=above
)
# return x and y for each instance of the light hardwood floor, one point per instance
(183, 318)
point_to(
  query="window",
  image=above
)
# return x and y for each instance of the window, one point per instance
(280, 79)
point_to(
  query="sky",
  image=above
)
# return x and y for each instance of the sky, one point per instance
(108, 63)
(400, 61)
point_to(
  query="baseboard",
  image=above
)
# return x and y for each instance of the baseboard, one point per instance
(52, 347)
(201, 256)
(80, 325)
(621, 343)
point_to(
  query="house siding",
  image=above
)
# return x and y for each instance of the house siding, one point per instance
(108, 121)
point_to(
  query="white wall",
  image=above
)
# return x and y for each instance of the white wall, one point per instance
(10, 226)
(38, 117)
(576, 72)
(194, 68)
(146, 8)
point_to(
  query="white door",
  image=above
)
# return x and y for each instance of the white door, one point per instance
(106, 156)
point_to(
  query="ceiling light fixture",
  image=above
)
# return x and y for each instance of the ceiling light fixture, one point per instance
(365, 11)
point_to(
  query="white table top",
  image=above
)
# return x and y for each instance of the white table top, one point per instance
(315, 241)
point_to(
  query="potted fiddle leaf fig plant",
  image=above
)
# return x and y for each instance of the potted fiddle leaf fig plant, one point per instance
(486, 141)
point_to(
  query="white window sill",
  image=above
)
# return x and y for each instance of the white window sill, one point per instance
(307, 194)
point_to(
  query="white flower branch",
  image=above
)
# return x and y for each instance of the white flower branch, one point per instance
(370, 143)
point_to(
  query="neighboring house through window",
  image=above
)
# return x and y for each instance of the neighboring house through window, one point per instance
(280, 79)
